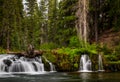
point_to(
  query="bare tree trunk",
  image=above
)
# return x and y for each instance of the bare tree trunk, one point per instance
(8, 40)
(96, 24)
(82, 24)
(43, 37)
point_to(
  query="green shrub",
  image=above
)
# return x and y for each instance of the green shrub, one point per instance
(105, 50)
(111, 57)
(2, 51)
(74, 42)
(48, 46)
(117, 50)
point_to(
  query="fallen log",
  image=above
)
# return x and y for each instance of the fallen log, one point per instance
(25, 54)
(30, 52)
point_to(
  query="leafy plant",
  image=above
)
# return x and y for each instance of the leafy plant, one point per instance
(74, 42)
(48, 46)
(111, 57)
(2, 51)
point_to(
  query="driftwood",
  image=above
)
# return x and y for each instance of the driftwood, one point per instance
(30, 53)
(35, 54)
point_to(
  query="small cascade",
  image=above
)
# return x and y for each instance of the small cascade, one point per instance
(52, 67)
(16, 64)
(100, 63)
(85, 64)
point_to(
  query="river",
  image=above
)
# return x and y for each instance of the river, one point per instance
(62, 77)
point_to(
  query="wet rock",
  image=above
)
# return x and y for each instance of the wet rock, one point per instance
(7, 62)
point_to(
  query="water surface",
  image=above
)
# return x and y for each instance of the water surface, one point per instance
(61, 77)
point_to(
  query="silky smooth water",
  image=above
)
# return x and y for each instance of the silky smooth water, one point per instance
(100, 63)
(85, 63)
(62, 77)
(21, 64)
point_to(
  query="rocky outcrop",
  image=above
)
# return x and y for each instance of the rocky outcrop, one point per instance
(7, 62)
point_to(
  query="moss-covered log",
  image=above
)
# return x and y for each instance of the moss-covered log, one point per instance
(35, 53)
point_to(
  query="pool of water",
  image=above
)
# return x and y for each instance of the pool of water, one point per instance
(61, 77)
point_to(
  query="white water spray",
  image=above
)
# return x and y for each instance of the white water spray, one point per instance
(85, 64)
(16, 64)
(52, 67)
(100, 63)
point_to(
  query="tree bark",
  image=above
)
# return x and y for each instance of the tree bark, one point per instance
(82, 23)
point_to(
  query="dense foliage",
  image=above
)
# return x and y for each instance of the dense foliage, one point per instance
(51, 24)
(104, 15)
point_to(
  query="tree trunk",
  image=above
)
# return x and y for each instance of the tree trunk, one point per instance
(8, 40)
(82, 24)
(96, 22)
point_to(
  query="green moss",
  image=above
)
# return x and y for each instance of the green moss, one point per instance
(111, 57)
(76, 65)
(67, 58)
(48, 46)
(2, 51)
(114, 62)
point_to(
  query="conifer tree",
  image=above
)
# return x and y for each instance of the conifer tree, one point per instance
(17, 33)
(42, 15)
(10, 21)
(66, 22)
(52, 17)
(1, 18)
(31, 22)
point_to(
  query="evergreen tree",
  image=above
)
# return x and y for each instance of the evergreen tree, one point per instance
(42, 16)
(10, 18)
(17, 29)
(52, 17)
(104, 15)
(1, 18)
(114, 13)
(66, 22)
(31, 22)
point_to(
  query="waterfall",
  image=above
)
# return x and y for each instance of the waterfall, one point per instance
(2, 64)
(100, 63)
(52, 67)
(16, 64)
(85, 63)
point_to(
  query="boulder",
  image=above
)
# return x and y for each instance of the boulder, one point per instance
(8, 62)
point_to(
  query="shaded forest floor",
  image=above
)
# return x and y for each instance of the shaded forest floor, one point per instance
(110, 38)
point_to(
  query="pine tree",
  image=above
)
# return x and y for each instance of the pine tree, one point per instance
(11, 19)
(1, 18)
(42, 15)
(17, 29)
(31, 20)
(52, 17)
(66, 22)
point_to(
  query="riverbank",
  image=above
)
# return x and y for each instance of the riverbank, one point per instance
(68, 59)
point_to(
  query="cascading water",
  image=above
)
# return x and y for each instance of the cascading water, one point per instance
(16, 64)
(85, 64)
(100, 63)
(52, 67)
